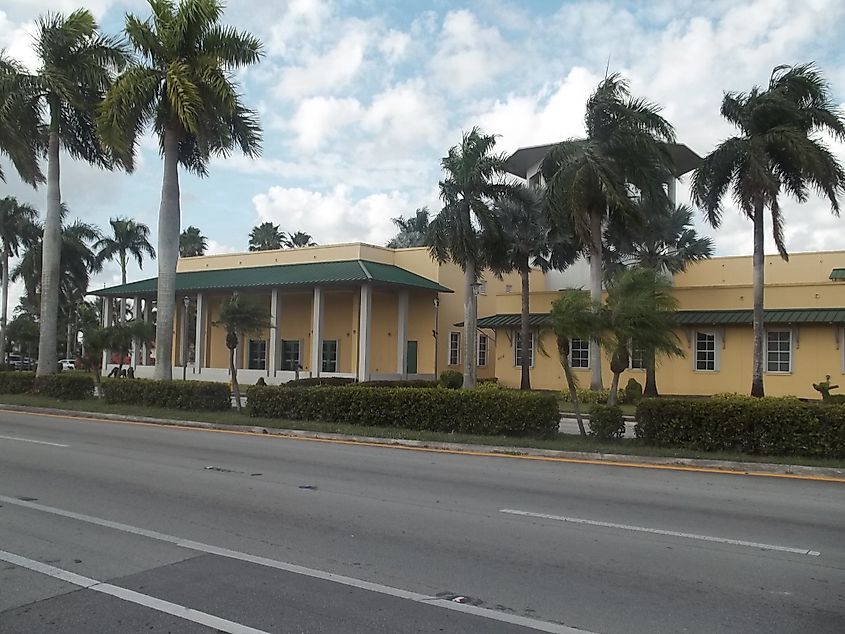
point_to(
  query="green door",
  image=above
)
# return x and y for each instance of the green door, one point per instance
(411, 363)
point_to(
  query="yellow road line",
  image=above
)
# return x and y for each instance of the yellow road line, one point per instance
(457, 452)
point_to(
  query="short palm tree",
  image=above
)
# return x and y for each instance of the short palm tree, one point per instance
(593, 179)
(297, 239)
(471, 185)
(572, 317)
(21, 133)
(664, 239)
(192, 243)
(265, 237)
(128, 239)
(240, 315)
(639, 308)
(777, 151)
(77, 65)
(525, 239)
(184, 88)
(413, 230)
(18, 229)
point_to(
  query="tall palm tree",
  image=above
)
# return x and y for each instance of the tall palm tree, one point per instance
(192, 243)
(472, 183)
(77, 65)
(572, 317)
(18, 229)
(185, 89)
(777, 151)
(639, 308)
(21, 133)
(664, 239)
(244, 315)
(591, 180)
(525, 239)
(413, 230)
(297, 239)
(266, 237)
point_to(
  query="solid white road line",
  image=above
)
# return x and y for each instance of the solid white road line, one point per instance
(180, 611)
(660, 531)
(37, 442)
(495, 615)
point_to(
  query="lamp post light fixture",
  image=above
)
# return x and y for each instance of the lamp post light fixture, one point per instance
(184, 336)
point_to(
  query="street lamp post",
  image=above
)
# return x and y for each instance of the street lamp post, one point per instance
(187, 301)
(435, 333)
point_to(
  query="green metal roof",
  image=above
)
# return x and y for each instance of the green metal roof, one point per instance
(837, 274)
(338, 273)
(700, 317)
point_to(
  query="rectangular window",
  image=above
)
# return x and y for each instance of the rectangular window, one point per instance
(290, 355)
(579, 353)
(482, 350)
(705, 351)
(454, 348)
(637, 357)
(257, 354)
(779, 351)
(517, 350)
(329, 356)
(536, 179)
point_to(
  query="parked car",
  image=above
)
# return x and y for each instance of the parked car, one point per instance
(13, 361)
(67, 364)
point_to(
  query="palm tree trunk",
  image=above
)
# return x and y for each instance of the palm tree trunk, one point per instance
(68, 344)
(123, 282)
(573, 393)
(595, 294)
(758, 266)
(4, 311)
(650, 389)
(524, 361)
(51, 253)
(470, 321)
(236, 390)
(613, 396)
(168, 252)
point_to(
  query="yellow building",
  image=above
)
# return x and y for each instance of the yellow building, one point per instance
(372, 313)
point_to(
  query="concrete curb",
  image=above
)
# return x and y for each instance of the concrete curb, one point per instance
(751, 468)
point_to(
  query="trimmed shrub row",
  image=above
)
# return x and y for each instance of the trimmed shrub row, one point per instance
(606, 422)
(767, 426)
(190, 395)
(488, 412)
(398, 383)
(66, 386)
(312, 381)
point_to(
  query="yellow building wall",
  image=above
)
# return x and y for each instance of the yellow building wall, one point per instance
(383, 327)
(296, 323)
(338, 326)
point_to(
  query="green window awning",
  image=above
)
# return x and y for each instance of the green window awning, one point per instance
(349, 272)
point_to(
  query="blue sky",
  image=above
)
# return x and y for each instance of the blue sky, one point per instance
(359, 99)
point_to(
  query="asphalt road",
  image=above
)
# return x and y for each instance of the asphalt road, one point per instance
(108, 527)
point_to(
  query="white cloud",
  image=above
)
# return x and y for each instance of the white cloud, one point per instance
(318, 117)
(404, 115)
(329, 72)
(17, 39)
(394, 45)
(216, 248)
(298, 20)
(333, 216)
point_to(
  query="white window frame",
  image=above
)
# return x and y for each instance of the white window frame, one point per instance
(531, 349)
(572, 348)
(336, 356)
(482, 363)
(631, 348)
(454, 351)
(716, 347)
(791, 351)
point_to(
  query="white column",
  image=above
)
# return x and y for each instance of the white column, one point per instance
(199, 341)
(122, 319)
(275, 348)
(136, 345)
(402, 335)
(317, 332)
(106, 323)
(365, 315)
(147, 316)
(670, 190)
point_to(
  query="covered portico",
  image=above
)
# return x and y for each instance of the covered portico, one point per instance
(358, 319)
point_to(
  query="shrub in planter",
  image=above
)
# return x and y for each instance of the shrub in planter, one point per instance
(452, 379)
(606, 422)
(16, 382)
(188, 395)
(489, 412)
(633, 391)
(66, 386)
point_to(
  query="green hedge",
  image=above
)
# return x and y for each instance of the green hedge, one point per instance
(65, 386)
(592, 397)
(312, 381)
(606, 422)
(16, 382)
(488, 412)
(190, 395)
(767, 426)
(398, 383)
